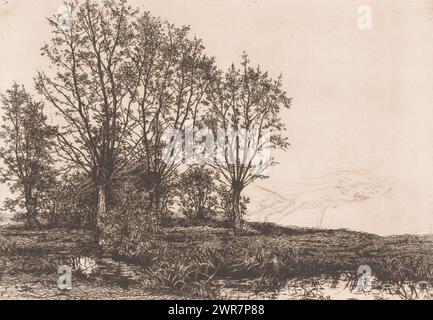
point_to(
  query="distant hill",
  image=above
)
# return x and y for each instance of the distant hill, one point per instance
(325, 201)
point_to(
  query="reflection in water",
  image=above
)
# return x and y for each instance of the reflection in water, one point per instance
(85, 265)
(106, 267)
(322, 288)
(343, 287)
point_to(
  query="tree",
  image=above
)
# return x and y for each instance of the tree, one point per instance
(27, 143)
(171, 76)
(90, 90)
(123, 79)
(196, 191)
(245, 105)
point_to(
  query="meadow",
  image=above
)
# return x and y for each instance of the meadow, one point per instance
(206, 261)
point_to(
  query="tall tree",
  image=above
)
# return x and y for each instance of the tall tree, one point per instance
(123, 79)
(90, 91)
(245, 115)
(25, 152)
(171, 76)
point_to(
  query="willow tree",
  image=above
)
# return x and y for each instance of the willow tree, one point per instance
(245, 116)
(88, 86)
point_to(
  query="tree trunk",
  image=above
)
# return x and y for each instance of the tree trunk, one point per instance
(156, 209)
(101, 212)
(31, 210)
(200, 212)
(237, 212)
(31, 214)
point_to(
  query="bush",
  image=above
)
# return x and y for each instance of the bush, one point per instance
(70, 202)
(128, 222)
(197, 193)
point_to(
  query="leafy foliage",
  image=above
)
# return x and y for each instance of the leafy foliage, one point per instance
(246, 104)
(197, 193)
(27, 163)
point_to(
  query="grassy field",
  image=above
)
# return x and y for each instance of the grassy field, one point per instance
(204, 261)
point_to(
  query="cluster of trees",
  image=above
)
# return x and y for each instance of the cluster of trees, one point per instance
(119, 79)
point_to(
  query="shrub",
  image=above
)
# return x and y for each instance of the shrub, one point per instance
(70, 202)
(128, 221)
(197, 193)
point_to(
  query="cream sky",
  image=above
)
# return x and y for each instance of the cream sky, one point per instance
(362, 99)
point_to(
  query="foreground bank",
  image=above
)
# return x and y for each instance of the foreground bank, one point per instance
(210, 262)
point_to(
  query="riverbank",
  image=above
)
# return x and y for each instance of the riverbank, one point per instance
(210, 262)
(29, 261)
